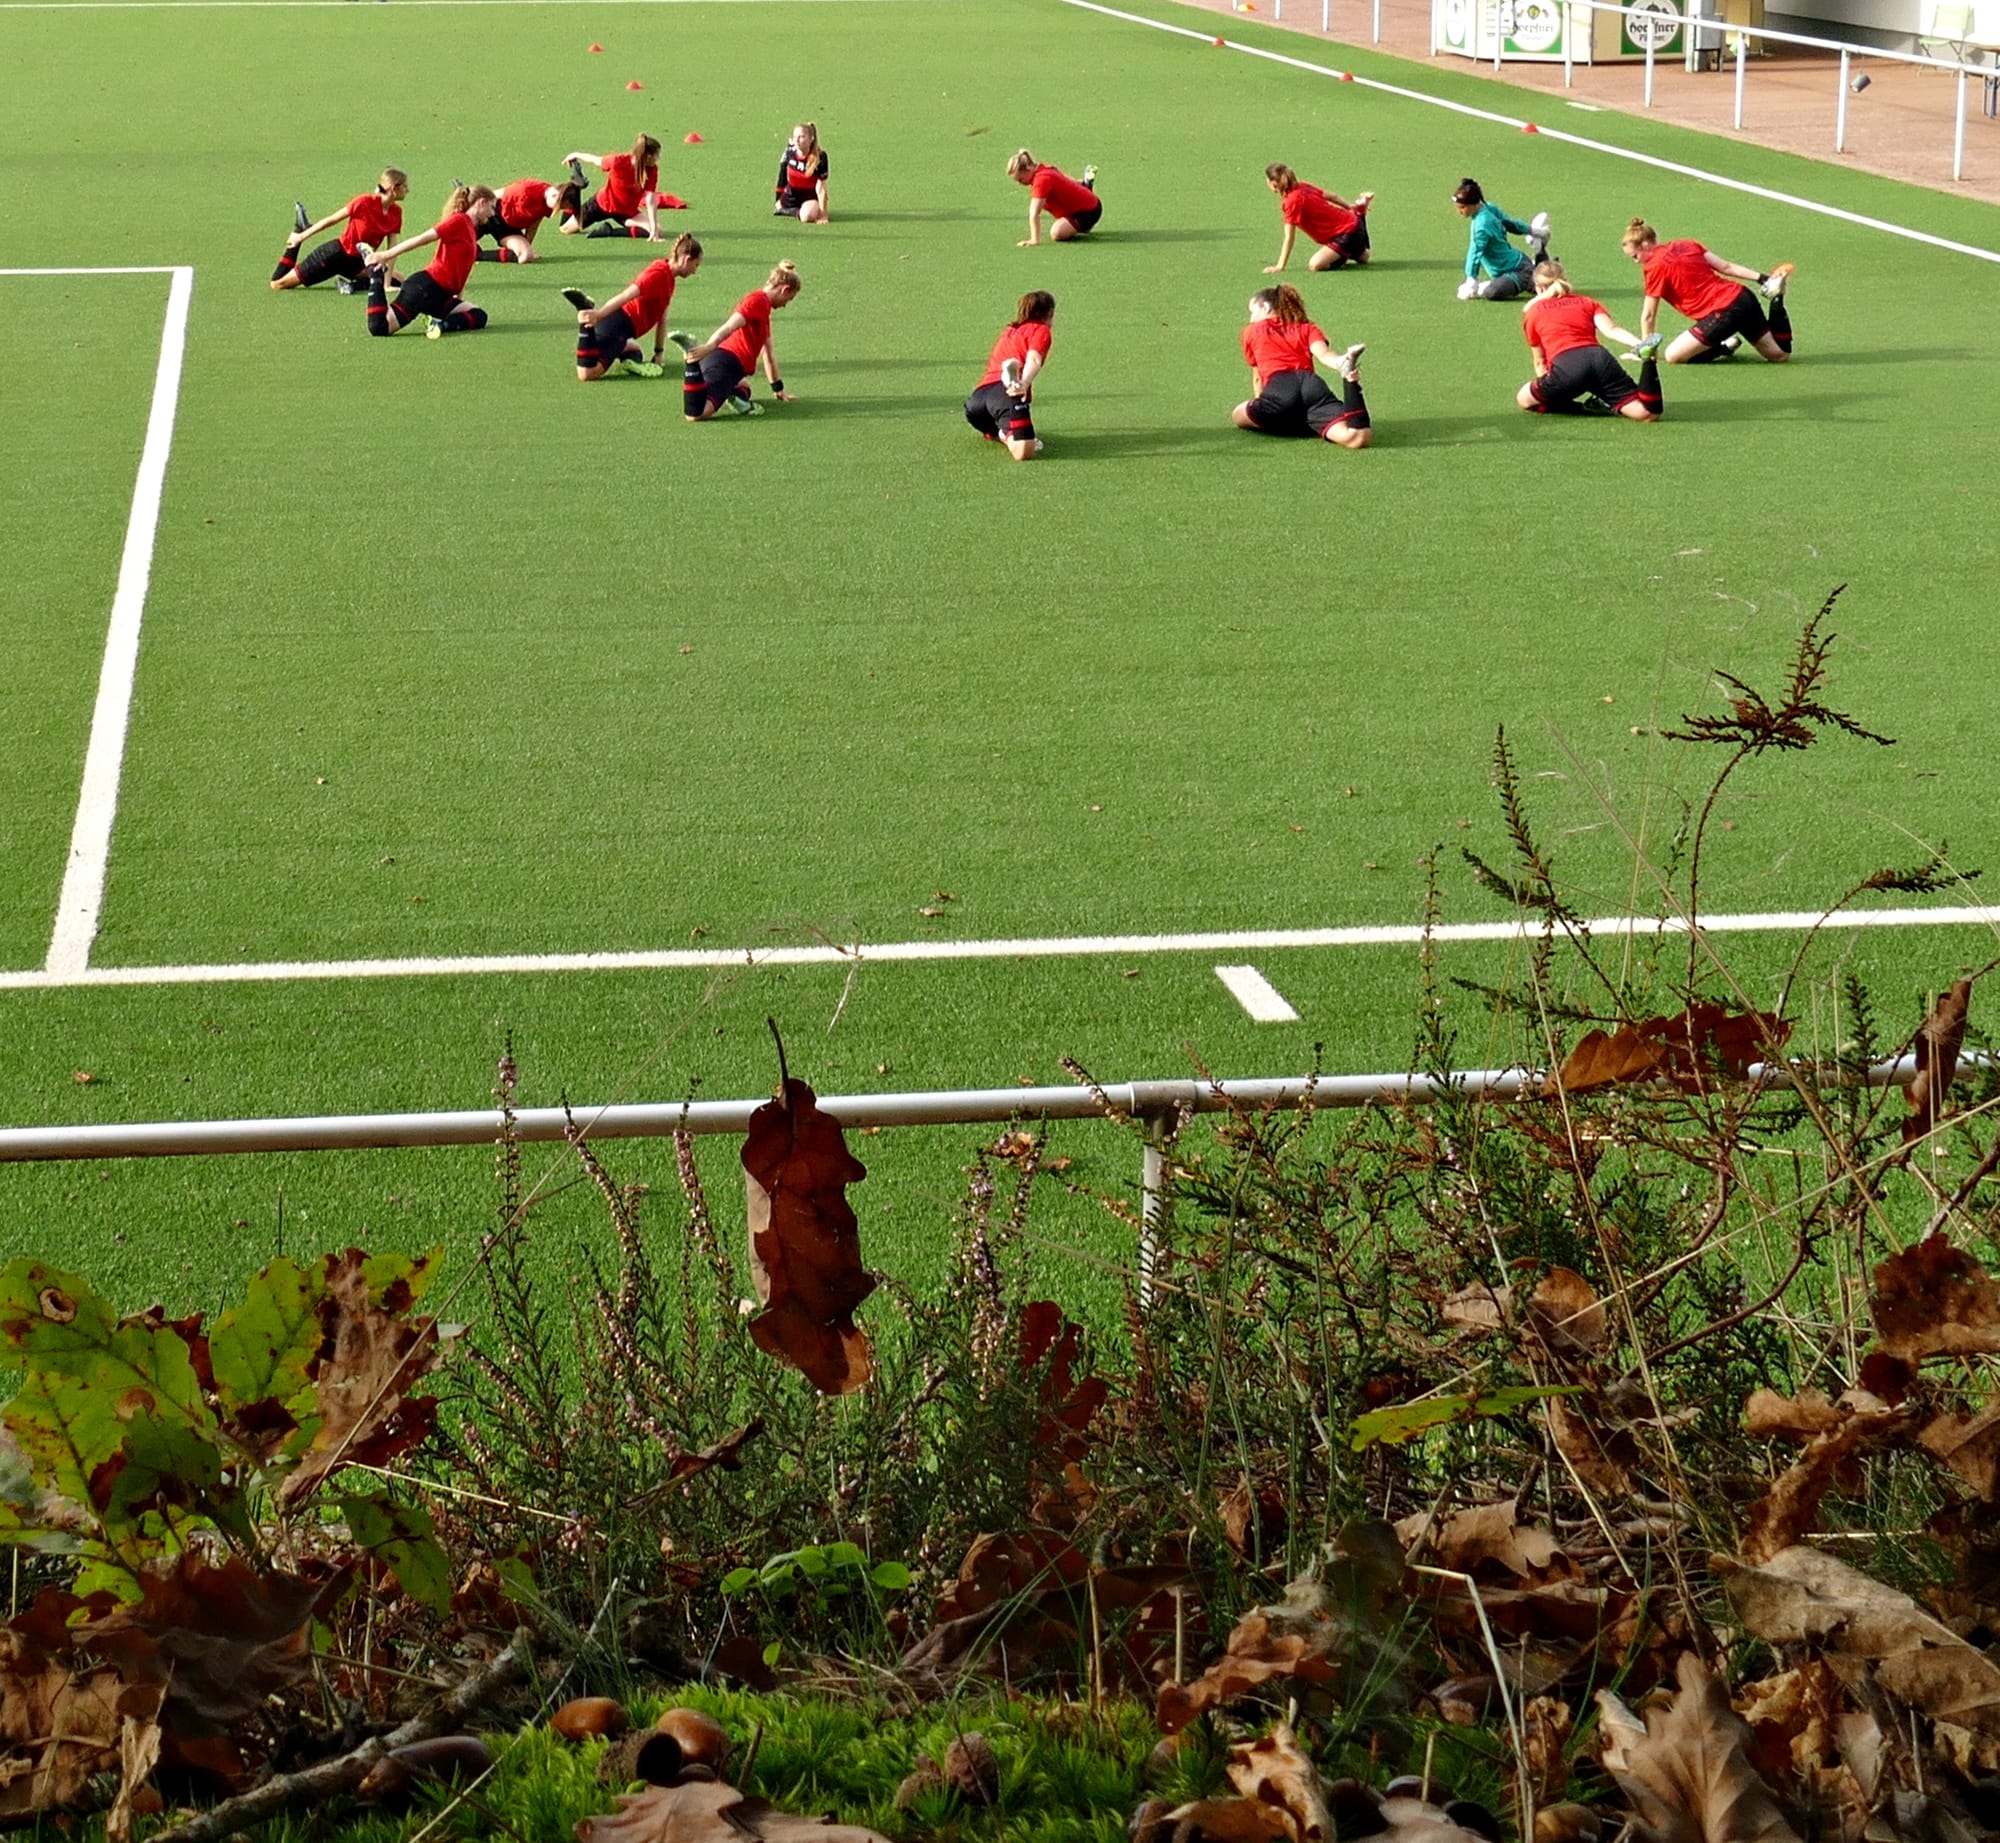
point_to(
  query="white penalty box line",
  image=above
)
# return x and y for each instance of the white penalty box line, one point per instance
(81, 901)
(891, 953)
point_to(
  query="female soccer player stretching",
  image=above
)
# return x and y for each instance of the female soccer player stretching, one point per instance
(371, 218)
(1001, 406)
(1561, 327)
(609, 335)
(627, 204)
(1072, 206)
(718, 369)
(1494, 269)
(1338, 230)
(435, 290)
(1283, 347)
(801, 188)
(519, 215)
(1697, 282)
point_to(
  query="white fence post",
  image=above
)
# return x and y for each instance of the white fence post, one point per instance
(1840, 113)
(1649, 70)
(1569, 31)
(1958, 133)
(1742, 52)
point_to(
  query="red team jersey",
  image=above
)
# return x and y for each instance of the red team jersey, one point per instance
(1318, 216)
(371, 219)
(1560, 325)
(525, 203)
(655, 283)
(1018, 342)
(795, 176)
(1678, 273)
(621, 193)
(1057, 190)
(750, 339)
(457, 250)
(1273, 346)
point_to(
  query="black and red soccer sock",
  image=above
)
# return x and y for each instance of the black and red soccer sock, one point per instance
(464, 318)
(1781, 324)
(1649, 385)
(1353, 408)
(381, 322)
(694, 390)
(288, 260)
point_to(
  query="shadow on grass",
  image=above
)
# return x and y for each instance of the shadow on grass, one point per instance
(821, 366)
(1112, 444)
(950, 214)
(1155, 236)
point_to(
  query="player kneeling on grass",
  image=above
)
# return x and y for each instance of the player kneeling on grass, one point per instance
(1697, 282)
(718, 370)
(1072, 205)
(520, 213)
(1001, 406)
(373, 217)
(1283, 348)
(1494, 269)
(801, 187)
(609, 335)
(1561, 327)
(1338, 230)
(435, 290)
(628, 202)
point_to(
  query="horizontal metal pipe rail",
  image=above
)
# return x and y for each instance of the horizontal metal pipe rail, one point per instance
(1144, 1100)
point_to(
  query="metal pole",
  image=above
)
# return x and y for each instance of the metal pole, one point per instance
(1569, 31)
(1840, 113)
(1958, 133)
(1377, 39)
(1649, 70)
(1152, 1201)
(1742, 53)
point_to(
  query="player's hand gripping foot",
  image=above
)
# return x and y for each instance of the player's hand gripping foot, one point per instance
(1349, 362)
(1773, 284)
(1649, 347)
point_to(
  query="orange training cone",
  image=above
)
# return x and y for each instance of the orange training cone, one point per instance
(1529, 128)
(691, 139)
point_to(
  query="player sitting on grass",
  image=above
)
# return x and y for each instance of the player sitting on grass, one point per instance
(1338, 230)
(628, 202)
(609, 335)
(435, 290)
(1561, 328)
(1283, 348)
(1698, 283)
(1001, 406)
(718, 370)
(1494, 269)
(801, 187)
(1072, 206)
(520, 213)
(373, 217)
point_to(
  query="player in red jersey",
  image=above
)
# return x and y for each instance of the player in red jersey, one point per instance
(718, 370)
(1284, 348)
(1072, 206)
(1001, 406)
(521, 211)
(627, 204)
(801, 188)
(373, 217)
(436, 290)
(1338, 230)
(1697, 282)
(609, 335)
(1561, 328)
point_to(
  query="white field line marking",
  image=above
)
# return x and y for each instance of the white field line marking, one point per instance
(888, 953)
(163, 268)
(82, 897)
(1553, 134)
(1257, 995)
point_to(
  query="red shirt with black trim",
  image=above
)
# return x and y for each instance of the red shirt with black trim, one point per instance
(622, 192)
(457, 250)
(795, 176)
(1018, 342)
(750, 339)
(1273, 346)
(655, 283)
(525, 203)
(1318, 216)
(1561, 324)
(371, 219)
(1057, 190)
(1678, 273)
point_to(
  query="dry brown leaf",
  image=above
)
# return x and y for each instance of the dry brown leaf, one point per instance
(1800, 1596)
(1934, 1300)
(1479, 1308)
(1787, 1512)
(1601, 1451)
(1970, 1445)
(1690, 1050)
(1769, 1415)
(1565, 1312)
(1069, 1403)
(1291, 1639)
(1490, 1542)
(59, 1726)
(1274, 1770)
(707, 1811)
(805, 1244)
(1939, 1039)
(1686, 1774)
(1228, 1820)
(1545, 1725)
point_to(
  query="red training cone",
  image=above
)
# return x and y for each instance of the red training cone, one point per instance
(1218, 44)
(597, 47)
(691, 139)
(1529, 128)
(635, 84)
(1347, 76)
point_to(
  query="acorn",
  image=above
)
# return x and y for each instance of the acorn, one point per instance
(589, 1718)
(645, 1754)
(971, 1770)
(398, 1775)
(1567, 1823)
(924, 1777)
(702, 1739)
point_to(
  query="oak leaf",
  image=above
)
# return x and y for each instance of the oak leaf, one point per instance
(1298, 1638)
(1787, 1512)
(1690, 1050)
(1274, 1771)
(1069, 1404)
(707, 1811)
(805, 1244)
(1934, 1300)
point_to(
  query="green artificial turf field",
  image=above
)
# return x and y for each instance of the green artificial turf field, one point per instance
(446, 655)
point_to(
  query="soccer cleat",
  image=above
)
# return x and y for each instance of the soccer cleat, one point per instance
(1540, 229)
(1362, 200)
(1730, 346)
(1090, 178)
(435, 330)
(577, 299)
(641, 368)
(686, 341)
(1039, 444)
(348, 285)
(301, 218)
(606, 227)
(1349, 362)
(1774, 283)
(576, 174)
(1648, 346)
(1010, 376)
(743, 406)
